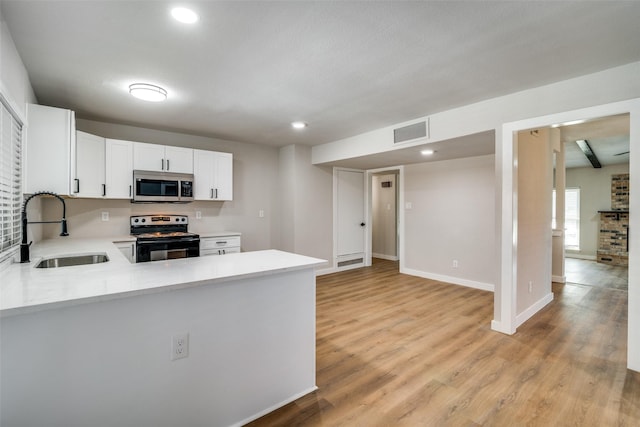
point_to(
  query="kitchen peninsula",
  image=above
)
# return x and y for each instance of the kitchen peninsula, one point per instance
(95, 344)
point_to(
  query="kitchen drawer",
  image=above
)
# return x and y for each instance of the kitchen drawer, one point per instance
(219, 242)
(220, 251)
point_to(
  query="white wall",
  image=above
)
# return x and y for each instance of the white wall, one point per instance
(384, 236)
(451, 218)
(595, 195)
(14, 80)
(535, 183)
(306, 215)
(255, 185)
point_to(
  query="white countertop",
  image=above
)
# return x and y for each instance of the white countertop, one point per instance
(24, 288)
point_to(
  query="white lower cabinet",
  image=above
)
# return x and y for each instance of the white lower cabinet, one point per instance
(128, 249)
(220, 244)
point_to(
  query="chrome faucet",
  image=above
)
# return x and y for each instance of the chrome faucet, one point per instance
(24, 246)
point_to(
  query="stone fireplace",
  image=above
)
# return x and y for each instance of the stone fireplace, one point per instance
(613, 238)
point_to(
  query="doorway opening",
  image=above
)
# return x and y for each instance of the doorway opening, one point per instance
(384, 216)
(595, 157)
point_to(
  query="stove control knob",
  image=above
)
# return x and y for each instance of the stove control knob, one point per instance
(136, 220)
(184, 219)
(144, 220)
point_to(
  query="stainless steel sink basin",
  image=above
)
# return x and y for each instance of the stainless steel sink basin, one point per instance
(67, 261)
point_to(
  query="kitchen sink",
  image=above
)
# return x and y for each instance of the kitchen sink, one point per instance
(67, 261)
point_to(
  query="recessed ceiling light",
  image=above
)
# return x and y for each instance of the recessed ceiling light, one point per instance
(299, 125)
(148, 92)
(184, 15)
(427, 152)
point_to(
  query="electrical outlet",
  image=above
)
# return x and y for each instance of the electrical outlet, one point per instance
(179, 346)
(455, 263)
(261, 213)
(198, 215)
(408, 205)
(530, 286)
(105, 216)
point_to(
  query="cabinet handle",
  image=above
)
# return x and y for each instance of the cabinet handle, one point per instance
(221, 242)
(167, 164)
(162, 160)
(77, 181)
(216, 193)
(224, 252)
(104, 189)
(212, 193)
(129, 190)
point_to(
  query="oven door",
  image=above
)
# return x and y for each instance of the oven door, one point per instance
(163, 249)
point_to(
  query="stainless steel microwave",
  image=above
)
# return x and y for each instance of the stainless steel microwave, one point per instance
(162, 187)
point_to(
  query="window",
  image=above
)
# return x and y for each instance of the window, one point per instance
(10, 180)
(571, 217)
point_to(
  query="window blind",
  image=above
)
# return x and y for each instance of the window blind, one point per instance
(10, 179)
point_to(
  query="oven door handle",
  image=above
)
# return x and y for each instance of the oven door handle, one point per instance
(182, 240)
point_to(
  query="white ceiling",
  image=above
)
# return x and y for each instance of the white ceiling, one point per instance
(249, 68)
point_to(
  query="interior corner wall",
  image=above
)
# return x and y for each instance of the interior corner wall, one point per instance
(595, 195)
(286, 196)
(535, 184)
(451, 218)
(306, 197)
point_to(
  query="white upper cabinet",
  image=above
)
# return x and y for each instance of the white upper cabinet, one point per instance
(119, 169)
(212, 175)
(49, 158)
(161, 158)
(89, 179)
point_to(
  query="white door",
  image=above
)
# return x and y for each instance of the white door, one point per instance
(350, 220)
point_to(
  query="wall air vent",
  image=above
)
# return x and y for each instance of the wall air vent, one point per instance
(407, 133)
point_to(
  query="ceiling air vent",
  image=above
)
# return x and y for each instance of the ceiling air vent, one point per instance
(407, 133)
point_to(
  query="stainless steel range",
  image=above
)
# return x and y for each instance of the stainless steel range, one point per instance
(161, 237)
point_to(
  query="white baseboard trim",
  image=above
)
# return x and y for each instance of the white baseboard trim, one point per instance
(449, 279)
(499, 327)
(383, 256)
(533, 309)
(274, 407)
(559, 279)
(580, 256)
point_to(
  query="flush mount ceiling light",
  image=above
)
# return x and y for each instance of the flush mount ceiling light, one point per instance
(427, 152)
(184, 15)
(299, 125)
(148, 92)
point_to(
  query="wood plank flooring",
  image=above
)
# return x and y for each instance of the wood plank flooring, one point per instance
(587, 272)
(396, 350)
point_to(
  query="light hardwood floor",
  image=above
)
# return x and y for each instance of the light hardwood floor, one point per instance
(586, 272)
(396, 350)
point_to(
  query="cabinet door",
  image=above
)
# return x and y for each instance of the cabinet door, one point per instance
(89, 180)
(178, 159)
(148, 157)
(223, 176)
(50, 147)
(119, 169)
(203, 163)
(128, 249)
